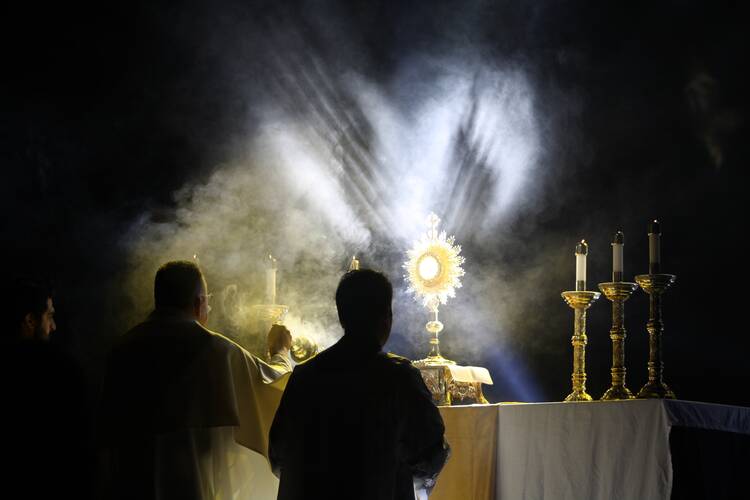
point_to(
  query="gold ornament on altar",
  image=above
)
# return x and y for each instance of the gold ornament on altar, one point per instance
(580, 300)
(433, 270)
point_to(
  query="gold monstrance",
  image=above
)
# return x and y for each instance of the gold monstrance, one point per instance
(433, 270)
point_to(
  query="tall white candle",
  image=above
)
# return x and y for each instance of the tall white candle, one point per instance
(271, 281)
(618, 242)
(581, 250)
(654, 247)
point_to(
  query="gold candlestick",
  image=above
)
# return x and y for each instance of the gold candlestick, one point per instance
(579, 301)
(655, 285)
(618, 292)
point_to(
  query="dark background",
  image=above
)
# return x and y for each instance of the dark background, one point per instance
(108, 109)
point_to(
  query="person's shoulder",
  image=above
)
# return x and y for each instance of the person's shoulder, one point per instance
(219, 341)
(124, 341)
(42, 352)
(395, 359)
(398, 365)
(218, 338)
(311, 364)
(156, 333)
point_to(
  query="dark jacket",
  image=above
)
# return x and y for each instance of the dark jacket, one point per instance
(355, 423)
(44, 422)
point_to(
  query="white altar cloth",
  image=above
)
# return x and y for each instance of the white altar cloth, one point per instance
(577, 451)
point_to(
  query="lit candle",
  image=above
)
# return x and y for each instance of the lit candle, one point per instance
(354, 265)
(617, 246)
(654, 247)
(581, 250)
(271, 281)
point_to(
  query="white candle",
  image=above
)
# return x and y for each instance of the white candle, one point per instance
(617, 256)
(271, 281)
(654, 247)
(581, 251)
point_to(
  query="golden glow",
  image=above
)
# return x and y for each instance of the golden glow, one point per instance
(428, 267)
(433, 268)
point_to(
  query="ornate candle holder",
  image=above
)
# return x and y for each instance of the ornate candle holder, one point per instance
(580, 301)
(618, 292)
(655, 285)
(262, 317)
(270, 314)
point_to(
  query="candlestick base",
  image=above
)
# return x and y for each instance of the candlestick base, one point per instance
(579, 301)
(617, 393)
(655, 285)
(577, 395)
(659, 390)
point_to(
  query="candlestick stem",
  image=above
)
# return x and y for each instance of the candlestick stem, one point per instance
(618, 293)
(579, 301)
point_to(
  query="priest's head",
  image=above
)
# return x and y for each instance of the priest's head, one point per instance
(363, 300)
(180, 286)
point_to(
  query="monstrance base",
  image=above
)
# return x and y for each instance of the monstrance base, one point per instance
(433, 361)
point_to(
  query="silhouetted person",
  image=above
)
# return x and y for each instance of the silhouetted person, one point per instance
(44, 421)
(183, 406)
(354, 422)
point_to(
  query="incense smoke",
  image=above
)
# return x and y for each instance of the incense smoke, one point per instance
(337, 164)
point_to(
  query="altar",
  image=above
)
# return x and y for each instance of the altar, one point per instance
(593, 450)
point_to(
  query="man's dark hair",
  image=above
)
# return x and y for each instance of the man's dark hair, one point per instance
(26, 296)
(362, 297)
(176, 284)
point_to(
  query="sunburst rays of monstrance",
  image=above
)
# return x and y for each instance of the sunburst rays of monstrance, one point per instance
(433, 271)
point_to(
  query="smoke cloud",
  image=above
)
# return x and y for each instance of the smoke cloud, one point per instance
(355, 168)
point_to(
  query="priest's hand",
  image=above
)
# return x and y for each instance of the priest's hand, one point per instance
(279, 339)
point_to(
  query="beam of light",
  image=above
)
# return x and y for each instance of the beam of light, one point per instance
(511, 376)
(463, 146)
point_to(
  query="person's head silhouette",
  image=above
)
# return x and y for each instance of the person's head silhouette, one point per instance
(180, 285)
(31, 312)
(363, 300)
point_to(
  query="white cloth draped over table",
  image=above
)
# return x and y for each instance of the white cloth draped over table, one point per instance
(584, 451)
(558, 451)
(186, 414)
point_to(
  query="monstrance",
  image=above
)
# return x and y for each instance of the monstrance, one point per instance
(433, 270)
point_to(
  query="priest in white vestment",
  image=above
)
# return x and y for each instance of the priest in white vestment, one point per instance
(186, 411)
